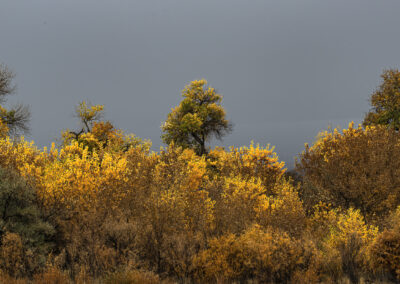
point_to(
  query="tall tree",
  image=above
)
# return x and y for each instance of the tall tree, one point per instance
(197, 119)
(385, 102)
(17, 117)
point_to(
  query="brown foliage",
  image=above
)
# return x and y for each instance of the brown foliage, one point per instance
(12, 256)
(384, 253)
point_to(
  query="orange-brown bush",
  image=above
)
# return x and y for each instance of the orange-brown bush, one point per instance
(344, 239)
(242, 203)
(358, 168)
(174, 212)
(12, 256)
(384, 253)
(266, 255)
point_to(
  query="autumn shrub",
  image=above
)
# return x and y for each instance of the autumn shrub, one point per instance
(266, 255)
(12, 259)
(79, 191)
(236, 206)
(248, 187)
(83, 244)
(344, 242)
(283, 209)
(23, 157)
(78, 178)
(357, 168)
(243, 203)
(253, 162)
(175, 213)
(384, 253)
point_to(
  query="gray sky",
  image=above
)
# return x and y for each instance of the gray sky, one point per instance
(286, 69)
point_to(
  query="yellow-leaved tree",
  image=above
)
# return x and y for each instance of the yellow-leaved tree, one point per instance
(197, 119)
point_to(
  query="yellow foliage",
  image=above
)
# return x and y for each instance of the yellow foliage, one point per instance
(23, 157)
(384, 253)
(283, 209)
(170, 205)
(351, 225)
(346, 244)
(358, 168)
(89, 113)
(248, 162)
(75, 177)
(177, 178)
(269, 255)
(245, 202)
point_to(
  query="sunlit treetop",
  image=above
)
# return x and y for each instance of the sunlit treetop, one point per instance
(97, 134)
(197, 119)
(88, 114)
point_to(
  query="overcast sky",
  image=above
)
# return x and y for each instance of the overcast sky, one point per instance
(286, 69)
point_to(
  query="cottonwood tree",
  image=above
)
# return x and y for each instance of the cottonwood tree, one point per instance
(385, 102)
(197, 119)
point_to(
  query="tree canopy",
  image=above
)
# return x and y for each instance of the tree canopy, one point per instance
(197, 119)
(385, 102)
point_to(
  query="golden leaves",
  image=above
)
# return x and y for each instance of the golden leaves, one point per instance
(355, 168)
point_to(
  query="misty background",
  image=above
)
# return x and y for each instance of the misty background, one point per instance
(287, 69)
